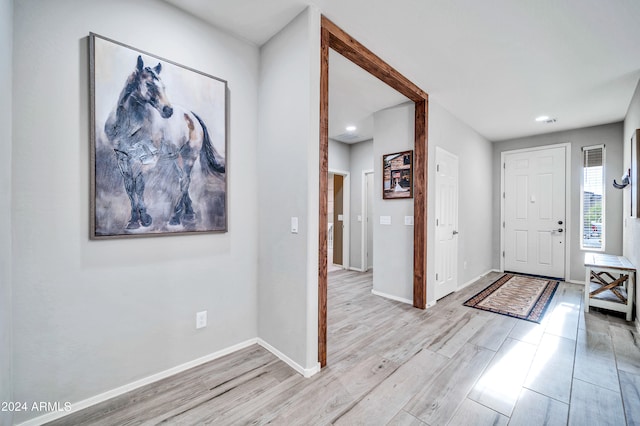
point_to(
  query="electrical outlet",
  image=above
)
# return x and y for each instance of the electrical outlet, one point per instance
(201, 319)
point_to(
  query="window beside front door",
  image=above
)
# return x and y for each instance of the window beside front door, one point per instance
(592, 199)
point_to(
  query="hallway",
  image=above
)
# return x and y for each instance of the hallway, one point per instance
(389, 363)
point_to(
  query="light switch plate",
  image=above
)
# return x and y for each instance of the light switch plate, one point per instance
(294, 225)
(408, 220)
(385, 220)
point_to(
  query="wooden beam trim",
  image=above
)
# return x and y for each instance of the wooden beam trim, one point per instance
(324, 170)
(420, 205)
(334, 37)
(357, 53)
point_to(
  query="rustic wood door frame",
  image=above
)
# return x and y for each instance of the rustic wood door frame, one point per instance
(332, 37)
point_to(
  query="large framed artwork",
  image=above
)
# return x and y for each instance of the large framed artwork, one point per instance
(158, 145)
(397, 175)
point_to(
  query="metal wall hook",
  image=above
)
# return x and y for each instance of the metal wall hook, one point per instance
(625, 181)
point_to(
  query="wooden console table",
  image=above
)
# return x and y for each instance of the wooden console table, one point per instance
(610, 283)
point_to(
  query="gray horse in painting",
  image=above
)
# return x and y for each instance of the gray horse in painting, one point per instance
(144, 128)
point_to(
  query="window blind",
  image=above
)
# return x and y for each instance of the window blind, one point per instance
(593, 157)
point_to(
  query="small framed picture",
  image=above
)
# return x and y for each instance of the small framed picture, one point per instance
(397, 175)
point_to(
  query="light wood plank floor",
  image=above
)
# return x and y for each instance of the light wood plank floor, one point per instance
(391, 364)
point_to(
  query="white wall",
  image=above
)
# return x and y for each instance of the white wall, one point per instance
(611, 136)
(392, 244)
(339, 156)
(361, 159)
(631, 233)
(475, 207)
(288, 175)
(6, 65)
(90, 316)
(353, 158)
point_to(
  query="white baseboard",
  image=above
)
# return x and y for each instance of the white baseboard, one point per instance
(389, 296)
(306, 372)
(473, 280)
(353, 268)
(81, 405)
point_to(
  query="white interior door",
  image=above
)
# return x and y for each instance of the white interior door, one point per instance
(534, 212)
(446, 254)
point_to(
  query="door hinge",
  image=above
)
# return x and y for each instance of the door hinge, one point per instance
(502, 253)
(504, 165)
(504, 195)
(504, 224)
(437, 222)
(436, 276)
(437, 167)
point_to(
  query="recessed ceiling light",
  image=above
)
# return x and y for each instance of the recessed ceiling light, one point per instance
(351, 128)
(545, 119)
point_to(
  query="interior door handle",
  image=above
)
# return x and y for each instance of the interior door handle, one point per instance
(455, 232)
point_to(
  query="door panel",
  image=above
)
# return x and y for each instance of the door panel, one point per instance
(534, 212)
(545, 185)
(545, 248)
(522, 189)
(446, 254)
(522, 244)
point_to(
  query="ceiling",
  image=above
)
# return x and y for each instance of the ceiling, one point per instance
(495, 64)
(354, 95)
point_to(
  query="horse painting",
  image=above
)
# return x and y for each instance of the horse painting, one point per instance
(146, 131)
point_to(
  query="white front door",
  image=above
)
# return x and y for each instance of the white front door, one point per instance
(534, 211)
(446, 254)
